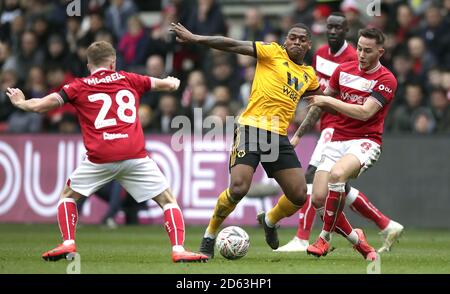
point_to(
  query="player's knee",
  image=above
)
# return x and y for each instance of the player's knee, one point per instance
(337, 174)
(309, 175)
(239, 188)
(318, 199)
(297, 195)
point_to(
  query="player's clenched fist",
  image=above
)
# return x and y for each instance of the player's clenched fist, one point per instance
(173, 82)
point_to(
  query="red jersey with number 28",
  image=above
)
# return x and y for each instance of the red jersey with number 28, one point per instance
(325, 62)
(355, 87)
(107, 105)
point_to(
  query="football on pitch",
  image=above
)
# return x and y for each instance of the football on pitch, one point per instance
(233, 242)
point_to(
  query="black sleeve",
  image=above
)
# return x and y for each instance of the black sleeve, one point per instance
(254, 50)
(379, 97)
(64, 96)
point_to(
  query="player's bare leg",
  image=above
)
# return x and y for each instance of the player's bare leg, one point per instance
(292, 182)
(240, 180)
(174, 224)
(67, 216)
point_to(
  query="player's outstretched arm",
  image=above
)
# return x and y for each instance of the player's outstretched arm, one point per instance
(360, 112)
(40, 105)
(167, 84)
(216, 42)
(311, 118)
(307, 124)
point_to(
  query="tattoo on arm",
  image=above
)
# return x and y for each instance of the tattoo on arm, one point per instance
(310, 120)
(228, 44)
(330, 92)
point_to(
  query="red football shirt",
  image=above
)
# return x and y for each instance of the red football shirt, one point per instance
(107, 105)
(355, 87)
(325, 63)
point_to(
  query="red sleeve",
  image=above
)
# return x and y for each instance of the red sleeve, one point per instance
(384, 90)
(140, 83)
(334, 79)
(69, 92)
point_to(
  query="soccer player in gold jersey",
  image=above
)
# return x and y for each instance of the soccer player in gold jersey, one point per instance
(281, 79)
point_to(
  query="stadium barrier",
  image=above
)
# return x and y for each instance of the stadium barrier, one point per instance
(410, 183)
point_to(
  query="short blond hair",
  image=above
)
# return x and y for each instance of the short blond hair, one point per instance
(100, 52)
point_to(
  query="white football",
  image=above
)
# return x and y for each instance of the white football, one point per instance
(233, 242)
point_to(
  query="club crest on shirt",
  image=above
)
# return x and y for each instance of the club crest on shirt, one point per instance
(366, 85)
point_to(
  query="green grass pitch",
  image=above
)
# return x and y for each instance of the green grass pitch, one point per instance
(146, 249)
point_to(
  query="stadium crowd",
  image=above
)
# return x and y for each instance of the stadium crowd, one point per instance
(42, 49)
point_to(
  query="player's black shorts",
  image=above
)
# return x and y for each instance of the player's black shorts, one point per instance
(253, 145)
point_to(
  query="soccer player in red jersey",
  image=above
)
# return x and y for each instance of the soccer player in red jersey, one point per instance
(325, 61)
(106, 104)
(360, 92)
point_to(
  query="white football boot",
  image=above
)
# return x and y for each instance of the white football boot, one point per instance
(295, 245)
(390, 235)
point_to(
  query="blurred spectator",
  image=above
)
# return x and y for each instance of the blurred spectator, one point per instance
(423, 121)
(73, 33)
(246, 87)
(217, 119)
(18, 26)
(434, 78)
(168, 108)
(20, 122)
(422, 59)
(207, 19)
(29, 54)
(222, 95)
(402, 68)
(319, 26)
(6, 58)
(440, 107)
(117, 15)
(57, 52)
(159, 40)
(128, 44)
(406, 22)
(42, 30)
(403, 115)
(145, 114)
(303, 12)
(9, 11)
(435, 32)
(256, 27)
(68, 124)
(36, 84)
(352, 14)
(154, 67)
(78, 60)
(195, 78)
(8, 79)
(221, 71)
(94, 23)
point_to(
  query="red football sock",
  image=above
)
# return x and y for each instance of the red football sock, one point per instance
(333, 206)
(364, 207)
(343, 227)
(306, 219)
(67, 218)
(174, 224)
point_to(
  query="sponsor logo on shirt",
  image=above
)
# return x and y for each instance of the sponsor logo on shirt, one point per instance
(382, 87)
(108, 136)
